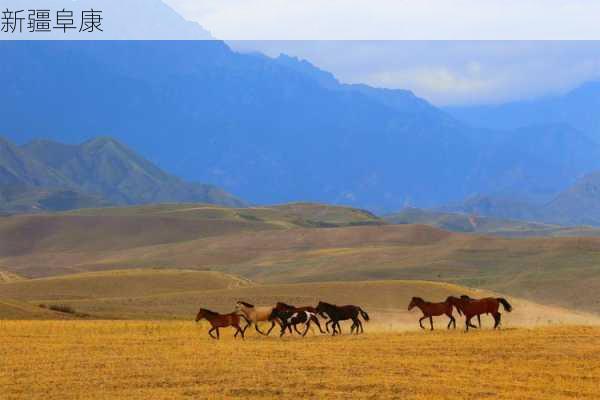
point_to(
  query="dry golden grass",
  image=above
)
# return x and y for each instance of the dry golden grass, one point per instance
(172, 360)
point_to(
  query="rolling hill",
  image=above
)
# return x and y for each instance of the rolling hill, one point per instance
(477, 224)
(299, 243)
(177, 294)
(49, 176)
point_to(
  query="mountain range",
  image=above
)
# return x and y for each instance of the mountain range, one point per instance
(276, 130)
(577, 108)
(43, 175)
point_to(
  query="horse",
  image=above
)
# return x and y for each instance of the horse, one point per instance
(488, 305)
(431, 310)
(342, 313)
(293, 318)
(465, 297)
(221, 321)
(256, 315)
(286, 307)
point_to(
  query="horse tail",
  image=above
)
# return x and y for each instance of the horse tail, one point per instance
(364, 314)
(457, 309)
(505, 303)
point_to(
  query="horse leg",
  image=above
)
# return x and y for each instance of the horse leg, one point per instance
(316, 321)
(258, 329)
(452, 320)
(334, 328)
(431, 322)
(479, 320)
(210, 333)
(497, 318)
(360, 325)
(327, 325)
(467, 322)
(306, 330)
(339, 327)
(297, 331)
(238, 331)
(421, 323)
(283, 328)
(470, 324)
(271, 328)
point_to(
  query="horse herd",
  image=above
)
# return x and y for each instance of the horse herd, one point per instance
(288, 316)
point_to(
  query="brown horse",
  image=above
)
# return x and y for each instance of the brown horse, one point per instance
(312, 310)
(488, 305)
(221, 321)
(465, 297)
(431, 310)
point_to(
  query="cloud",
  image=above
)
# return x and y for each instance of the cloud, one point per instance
(451, 72)
(394, 19)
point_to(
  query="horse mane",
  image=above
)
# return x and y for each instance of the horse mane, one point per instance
(465, 297)
(327, 304)
(246, 304)
(285, 305)
(418, 299)
(209, 311)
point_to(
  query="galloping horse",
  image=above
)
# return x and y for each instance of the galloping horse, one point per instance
(286, 307)
(465, 297)
(256, 315)
(471, 308)
(221, 321)
(342, 313)
(431, 310)
(291, 318)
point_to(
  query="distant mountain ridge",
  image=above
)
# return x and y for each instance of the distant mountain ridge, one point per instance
(577, 108)
(46, 175)
(277, 130)
(577, 205)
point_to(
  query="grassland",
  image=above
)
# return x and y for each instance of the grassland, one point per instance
(300, 243)
(166, 360)
(177, 294)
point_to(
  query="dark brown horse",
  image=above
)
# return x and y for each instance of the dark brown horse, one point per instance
(312, 310)
(465, 297)
(342, 313)
(217, 321)
(488, 305)
(431, 310)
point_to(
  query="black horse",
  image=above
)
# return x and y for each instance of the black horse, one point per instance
(342, 313)
(292, 318)
(280, 306)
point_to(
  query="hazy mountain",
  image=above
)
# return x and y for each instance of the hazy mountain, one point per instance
(473, 223)
(577, 205)
(271, 130)
(578, 108)
(47, 175)
(580, 204)
(498, 207)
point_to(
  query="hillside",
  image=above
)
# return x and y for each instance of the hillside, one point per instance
(477, 224)
(578, 204)
(49, 176)
(177, 294)
(274, 130)
(300, 243)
